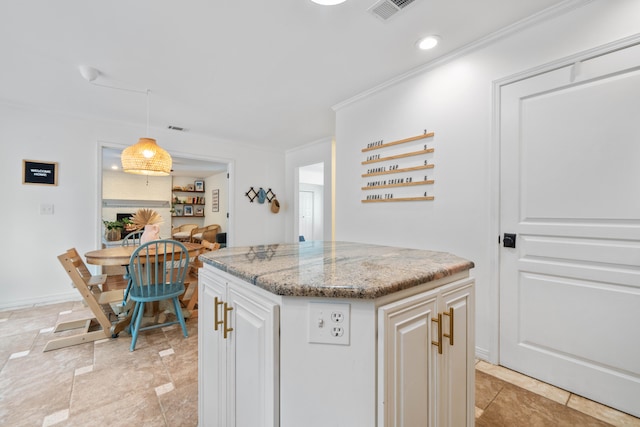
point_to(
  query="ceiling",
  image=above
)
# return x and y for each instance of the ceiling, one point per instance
(259, 72)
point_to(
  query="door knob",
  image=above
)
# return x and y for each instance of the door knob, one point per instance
(509, 240)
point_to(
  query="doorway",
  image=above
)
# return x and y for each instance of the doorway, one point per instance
(310, 202)
(121, 192)
(569, 185)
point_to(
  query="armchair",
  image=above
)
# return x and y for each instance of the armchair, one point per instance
(182, 233)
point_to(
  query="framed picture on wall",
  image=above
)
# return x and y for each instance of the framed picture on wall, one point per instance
(198, 186)
(199, 211)
(215, 197)
(40, 173)
(178, 211)
(188, 210)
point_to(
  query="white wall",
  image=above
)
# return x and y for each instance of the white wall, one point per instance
(218, 181)
(130, 187)
(31, 271)
(454, 99)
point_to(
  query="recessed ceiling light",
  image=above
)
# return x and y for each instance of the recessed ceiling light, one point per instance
(428, 42)
(328, 2)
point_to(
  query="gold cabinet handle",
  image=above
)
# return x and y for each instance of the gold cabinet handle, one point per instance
(450, 334)
(226, 330)
(439, 342)
(216, 322)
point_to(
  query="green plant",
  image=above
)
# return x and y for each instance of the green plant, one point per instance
(113, 225)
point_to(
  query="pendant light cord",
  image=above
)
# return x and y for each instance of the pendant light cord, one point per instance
(148, 92)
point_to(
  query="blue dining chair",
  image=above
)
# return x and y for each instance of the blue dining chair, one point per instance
(131, 239)
(158, 269)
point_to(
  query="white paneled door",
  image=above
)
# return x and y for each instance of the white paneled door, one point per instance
(305, 224)
(570, 192)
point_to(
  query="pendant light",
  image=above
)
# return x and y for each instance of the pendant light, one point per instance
(146, 157)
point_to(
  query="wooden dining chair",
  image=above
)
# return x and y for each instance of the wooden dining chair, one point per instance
(90, 287)
(158, 270)
(190, 297)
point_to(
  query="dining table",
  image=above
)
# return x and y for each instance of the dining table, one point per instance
(120, 256)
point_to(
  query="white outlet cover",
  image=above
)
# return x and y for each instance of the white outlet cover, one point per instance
(324, 317)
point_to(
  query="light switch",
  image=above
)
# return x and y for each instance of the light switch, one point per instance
(329, 323)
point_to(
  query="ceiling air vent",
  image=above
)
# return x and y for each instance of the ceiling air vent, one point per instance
(178, 128)
(385, 9)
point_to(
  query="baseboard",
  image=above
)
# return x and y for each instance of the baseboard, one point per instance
(482, 354)
(46, 300)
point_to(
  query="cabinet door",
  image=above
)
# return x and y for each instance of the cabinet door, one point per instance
(406, 362)
(212, 354)
(456, 366)
(252, 359)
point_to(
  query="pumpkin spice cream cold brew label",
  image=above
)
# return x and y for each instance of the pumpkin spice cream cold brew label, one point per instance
(397, 171)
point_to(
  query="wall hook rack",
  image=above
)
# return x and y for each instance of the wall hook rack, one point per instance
(252, 194)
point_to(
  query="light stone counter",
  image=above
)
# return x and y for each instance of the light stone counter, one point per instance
(335, 269)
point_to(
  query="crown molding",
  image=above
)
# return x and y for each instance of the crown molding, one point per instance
(543, 15)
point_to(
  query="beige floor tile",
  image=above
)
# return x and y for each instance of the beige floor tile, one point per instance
(139, 408)
(116, 382)
(603, 412)
(182, 366)
(180, 406)
(523, 381)
(16, 343)
(55, 418)
(30, 391)
(515, 406)
(487, 388)
(26, 324)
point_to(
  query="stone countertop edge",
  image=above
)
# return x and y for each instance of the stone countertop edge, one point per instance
(335, 269)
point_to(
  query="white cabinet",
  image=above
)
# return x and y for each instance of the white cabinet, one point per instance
(268, 372)
(426, 358)
(238, 347)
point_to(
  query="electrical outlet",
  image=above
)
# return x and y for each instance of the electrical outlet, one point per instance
(337, 316)
(337, 331)
(329, 323)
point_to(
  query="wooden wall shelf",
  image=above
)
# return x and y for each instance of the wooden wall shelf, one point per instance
(399, 156)
(404, 184)
(402, 141)
(414, 168)
(400, 199)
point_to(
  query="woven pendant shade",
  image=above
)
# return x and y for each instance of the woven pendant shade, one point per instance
(146, 158)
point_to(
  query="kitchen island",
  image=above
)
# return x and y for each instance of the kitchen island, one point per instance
(335, 334)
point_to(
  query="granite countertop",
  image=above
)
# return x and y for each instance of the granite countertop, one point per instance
(334, 269)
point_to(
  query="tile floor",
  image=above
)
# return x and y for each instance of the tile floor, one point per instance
(102, 383)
